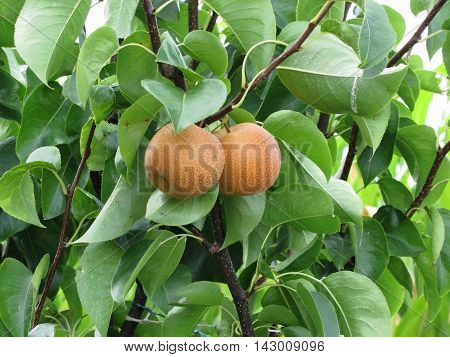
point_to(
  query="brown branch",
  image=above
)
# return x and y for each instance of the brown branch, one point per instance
(322, 124)
(272, 66)
(351, 153)
(428, 185)
(193, 15)
(210, 27)
(417, 35)
(129, 326)
(240, 297)
(172, 73)
(65, 223)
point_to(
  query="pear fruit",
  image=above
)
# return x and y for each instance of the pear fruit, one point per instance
(252, 160)
(185, 164)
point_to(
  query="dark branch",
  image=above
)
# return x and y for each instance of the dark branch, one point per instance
(129, 326)
(172, 73)
(322, 124)
(193, 15)
(272, 66)
(65, 223)
(426, 189)
(417, 35)
(210, 27)
(240, 297)
(351, 153)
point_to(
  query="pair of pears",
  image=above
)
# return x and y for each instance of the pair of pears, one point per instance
(244, 161)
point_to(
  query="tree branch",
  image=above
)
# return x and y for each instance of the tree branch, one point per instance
(172, 73)
(272, 66)
(193, 15)
(322, 124)
(351, 153)
(62, 236)
(129, 326)
(240, 297)
(417, 35)
(426, 189)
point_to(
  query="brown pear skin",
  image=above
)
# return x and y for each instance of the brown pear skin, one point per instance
(185, 164)
(252, 160)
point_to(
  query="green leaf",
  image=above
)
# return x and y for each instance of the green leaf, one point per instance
(84, 203)
(437, 233)
(404, 240)
(301, 133)
(9, 11)
(48, 154)
(135, 64)
(278, 315)
(187, 108)
(325, 75)
(436, 42)
(206, 47)
(44, 120)
(204, 293)
(373, 128)
(171, 211)
(446, 52)
(377, 37)
(372, 255)
(309, 207)
(257, 25)
(308, 9)
(339, 248)
(8, 128)
(45, 34)
(430, 81)
(133, 124)
(409, 89)
(285, 11)
(318, 313)
(16, 294)
(417, 144)
(124, 207)
(162, 263)
(361, 307)
(95, 53)
(392, 291)
(243, 214)
(399, 270)
(395, 193)
(119, 15)
(397, 22)
(17, 192)
(94, 277)
(39, 274)
(372, 164)
(103, 101)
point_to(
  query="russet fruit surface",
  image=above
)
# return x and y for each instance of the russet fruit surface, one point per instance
(186, 164)
(252, 160)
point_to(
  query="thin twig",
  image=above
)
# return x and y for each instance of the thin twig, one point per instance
(417, 35)
(428, 185)
(272, 66)
(62, 236)
(137, 308)
(351, 153)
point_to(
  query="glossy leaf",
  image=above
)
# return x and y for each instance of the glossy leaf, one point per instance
(392, 291)
(315, 74)
(9, 10)
(257, 25)
(94, 55)
(45, 34)
(243, 214)
(373, 128)
(395, 193)
(187, 108)
(119, 15)
(403, 238)
(171, 211)
(308, 9)
(361, 307)
(94, 277)
(16, 293)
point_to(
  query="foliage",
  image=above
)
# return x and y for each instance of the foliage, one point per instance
(316, 255)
